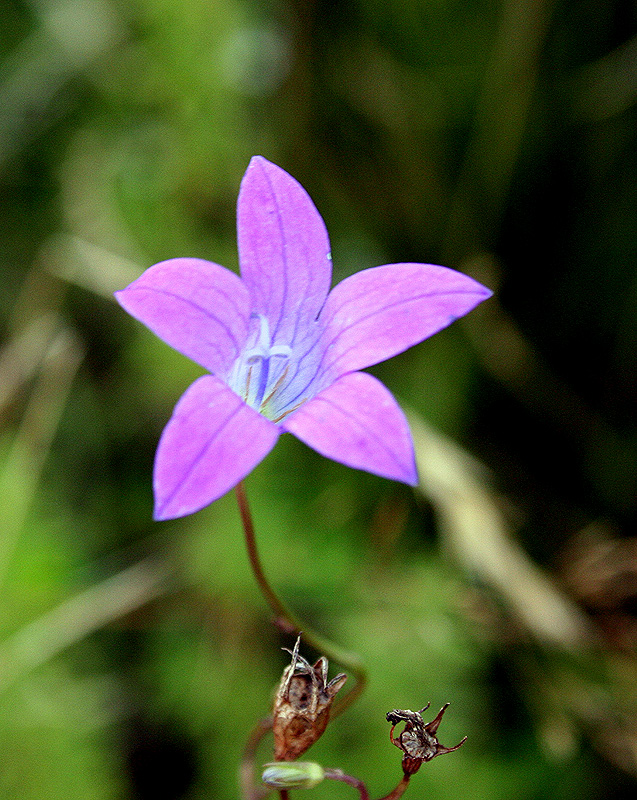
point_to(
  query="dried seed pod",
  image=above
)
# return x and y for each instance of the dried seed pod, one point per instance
(302, 705)
(418, 740)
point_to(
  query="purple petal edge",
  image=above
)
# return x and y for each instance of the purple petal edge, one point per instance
(199, 308)
(357, 421)
(379, 312)
(284, 250)
(211, 442)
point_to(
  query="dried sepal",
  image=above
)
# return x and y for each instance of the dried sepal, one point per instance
(418, 739)
(302, 705)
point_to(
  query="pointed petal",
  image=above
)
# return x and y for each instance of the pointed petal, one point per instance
(358, 422)
(440, 750)
(283, 250)
(432, 727)
(211, 442)
(199, 308)
(379, 312)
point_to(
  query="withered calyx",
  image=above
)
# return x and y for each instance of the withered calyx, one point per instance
(302, 705)
(418, 739)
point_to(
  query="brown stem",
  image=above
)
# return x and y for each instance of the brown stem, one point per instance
(278, 606)
(339, 775)
(286, 616)
(246, 769)
(399, 791)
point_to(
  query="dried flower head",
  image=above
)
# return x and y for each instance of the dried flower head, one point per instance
(302, 705)
(418, 740)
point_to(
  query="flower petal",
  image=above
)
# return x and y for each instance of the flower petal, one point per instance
(195, 306)
(379, 312)
(358, 422)
(284, 250)
(211, 442)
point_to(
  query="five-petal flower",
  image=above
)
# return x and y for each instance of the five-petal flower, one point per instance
(282, 353)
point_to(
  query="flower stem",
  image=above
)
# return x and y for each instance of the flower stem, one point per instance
(399, 790)
(339, 775)
(286, 618)
(246, 769)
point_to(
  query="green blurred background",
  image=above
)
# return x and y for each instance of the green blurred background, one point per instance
(498, 137)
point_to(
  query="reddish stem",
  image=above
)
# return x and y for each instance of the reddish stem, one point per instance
(399, 791)
(246, 769)
(286, 617)
(339, 775)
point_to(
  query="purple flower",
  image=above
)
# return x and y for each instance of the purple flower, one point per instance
(282, 353)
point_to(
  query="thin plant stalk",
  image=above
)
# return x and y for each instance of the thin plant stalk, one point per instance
(286, 617)
(249, 791)
(339, 775)
(399, 790)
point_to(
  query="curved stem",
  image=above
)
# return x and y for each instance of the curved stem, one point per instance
(288, 620)
(249, 791)
(399, 790)
(339, 775)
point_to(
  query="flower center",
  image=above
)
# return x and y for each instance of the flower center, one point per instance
(261, 370)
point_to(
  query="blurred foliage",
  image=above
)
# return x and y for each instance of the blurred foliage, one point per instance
(499, 138)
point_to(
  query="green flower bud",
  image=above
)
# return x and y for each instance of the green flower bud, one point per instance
(292, 774)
